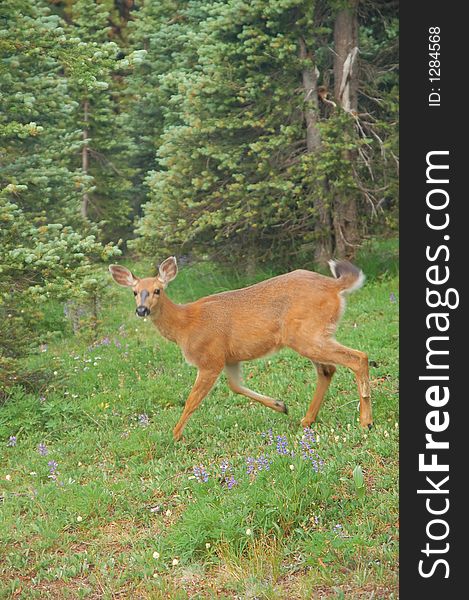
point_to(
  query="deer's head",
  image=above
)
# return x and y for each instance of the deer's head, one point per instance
(147, 290)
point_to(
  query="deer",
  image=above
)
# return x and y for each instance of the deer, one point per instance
(298, 310)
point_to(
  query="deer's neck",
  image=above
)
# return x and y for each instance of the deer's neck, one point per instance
(170, 318)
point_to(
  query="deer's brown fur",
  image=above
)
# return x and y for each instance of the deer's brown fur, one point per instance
(298, 310)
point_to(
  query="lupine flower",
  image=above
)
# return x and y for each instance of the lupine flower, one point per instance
(282, 444)
(250, 465)
(224, 466)
(12, 441)
(308, 452)
(231, 482)
(200, 474)
(42, 449)
(52, 464)
(143, 420)
(309, 435)
(224, 469)
(269, 437)
(263, 463)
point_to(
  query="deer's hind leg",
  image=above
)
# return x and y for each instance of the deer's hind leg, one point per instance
(327, 351)
(235, 381)
(325, 374)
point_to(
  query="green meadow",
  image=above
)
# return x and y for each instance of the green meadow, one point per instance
(98, 501)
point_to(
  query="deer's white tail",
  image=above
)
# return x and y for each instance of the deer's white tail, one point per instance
(349, 277)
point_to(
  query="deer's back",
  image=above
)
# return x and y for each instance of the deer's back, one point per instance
(257, 320)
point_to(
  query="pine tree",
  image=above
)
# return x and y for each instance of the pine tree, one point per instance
(36, 121)
(256, 155)
(61, 121)
(106, 195)
(161, 37)
(229, 173)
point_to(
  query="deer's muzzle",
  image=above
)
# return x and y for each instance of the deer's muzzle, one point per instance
(142, 311)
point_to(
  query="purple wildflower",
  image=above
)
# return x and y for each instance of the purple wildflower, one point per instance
(316, 464)
(224, 467)
(263, 463)
(200, 474)
(52, 464)
(309, 435)
(42, 399)
(143, 420)
(250, 465)
(231, 482)
(307, 450)
(253, 466)
(392, 297)
(12, 441)
(42, 449)
(282, 444)
(226, 474)
(269, 436)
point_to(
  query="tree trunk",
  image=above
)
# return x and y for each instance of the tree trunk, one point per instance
(346, 57)
(85, 157)
(346, 94)
(323, 226)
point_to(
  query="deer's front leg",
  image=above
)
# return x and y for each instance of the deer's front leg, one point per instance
(206, 379)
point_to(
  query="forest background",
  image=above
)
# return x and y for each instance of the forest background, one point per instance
(245, 137)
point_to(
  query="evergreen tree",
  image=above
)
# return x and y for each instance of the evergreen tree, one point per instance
(162, 32)
(256, 130)
(61, 124)
(256, 154)
(37, 131)
(106, 194)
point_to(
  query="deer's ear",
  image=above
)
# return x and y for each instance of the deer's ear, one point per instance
(168, 270)
(123, 276)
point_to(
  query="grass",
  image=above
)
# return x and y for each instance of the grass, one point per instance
(111, 507)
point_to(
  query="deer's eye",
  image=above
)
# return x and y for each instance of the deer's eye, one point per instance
(157, 292)
(135, 293)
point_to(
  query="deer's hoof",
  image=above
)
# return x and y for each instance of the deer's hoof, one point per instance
(281, 407)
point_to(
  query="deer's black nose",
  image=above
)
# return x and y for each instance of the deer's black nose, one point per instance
(142, 311)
